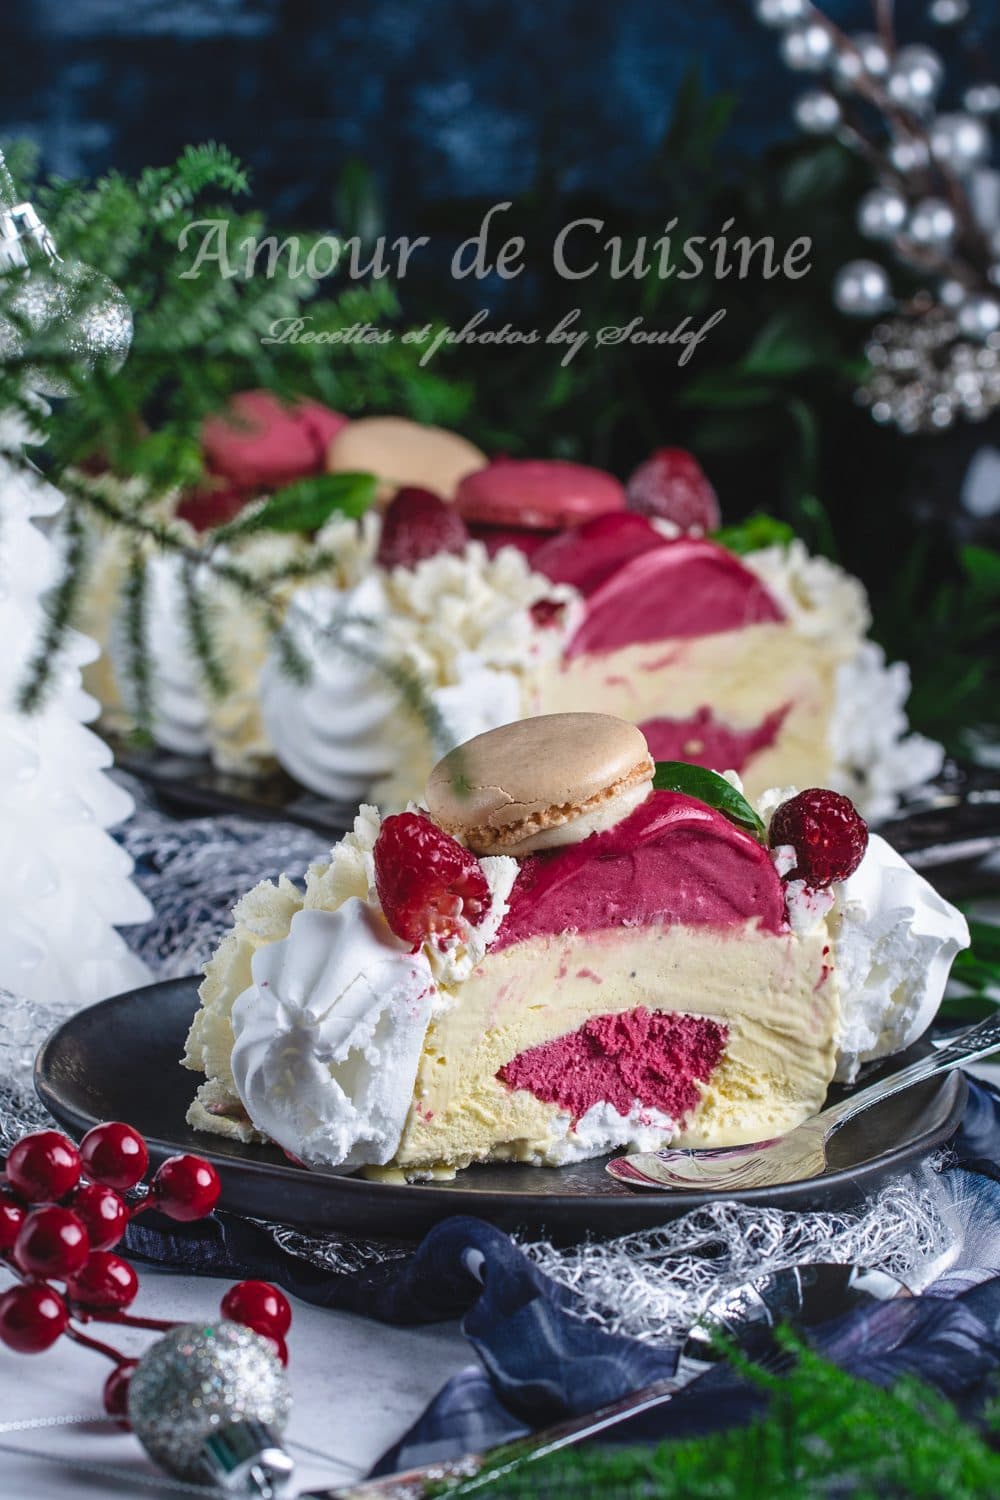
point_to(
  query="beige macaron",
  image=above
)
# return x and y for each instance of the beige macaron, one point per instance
(399, 452)
(541, 782)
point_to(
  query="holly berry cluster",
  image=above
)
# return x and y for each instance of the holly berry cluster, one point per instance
(64, 1209)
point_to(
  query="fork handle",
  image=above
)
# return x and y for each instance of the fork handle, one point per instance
(978, 1042)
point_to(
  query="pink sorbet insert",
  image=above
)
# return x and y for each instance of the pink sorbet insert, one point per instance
(709, 742)
(639, 1057)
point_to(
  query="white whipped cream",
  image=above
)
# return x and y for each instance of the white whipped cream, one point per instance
(180, 718)
(334, 733)
(875, 760)
(819, 598)
(459, 625)
(603, 1130)
(894, 940)
(328, 1037)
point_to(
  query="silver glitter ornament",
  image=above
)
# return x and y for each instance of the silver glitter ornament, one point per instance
(807, 48)
(909, 154)
(71, 311)
(868, 57)
(960, 141)
(861, 289)
(979, 317)
(915, 77)
(209, 1402)
(982, 98)
(817, 112)
(881, 213)
(778, 13)
(60, 309)
(925, 376)
(948, 12)
(931, 224)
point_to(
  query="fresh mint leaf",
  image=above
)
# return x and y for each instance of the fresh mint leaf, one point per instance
(754, 533)
(709, 787)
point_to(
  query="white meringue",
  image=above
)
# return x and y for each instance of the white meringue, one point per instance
(329, 1036)
(894, 942)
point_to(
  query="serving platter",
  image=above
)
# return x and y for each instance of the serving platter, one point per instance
(119, 1059)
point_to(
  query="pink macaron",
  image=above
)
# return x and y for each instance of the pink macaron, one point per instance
(260, 442)
(537, 494)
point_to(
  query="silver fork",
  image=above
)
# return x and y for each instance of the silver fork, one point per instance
(802, 1152)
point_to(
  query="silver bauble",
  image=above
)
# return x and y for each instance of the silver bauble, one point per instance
(982, 98)
(915, 77)
(909, 154)
(931, 223)
(868, 56)
(807, 48)
(979, 317)
(861, 288)
(948, 12)
(779, 13)
(817, 112)
(72, 313)
(197, 1381)
(881, 213)
(952, 293)
(960, 141)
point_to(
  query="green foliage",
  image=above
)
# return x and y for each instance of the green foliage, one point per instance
(197, 341)
(708, 787)
(948, 631)
(755, 532)
(826, 1433)
(306, 505)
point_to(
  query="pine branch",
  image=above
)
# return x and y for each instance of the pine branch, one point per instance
(60, 606)
(134, 628)
(200, 636)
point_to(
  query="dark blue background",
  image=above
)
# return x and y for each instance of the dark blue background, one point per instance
(441, 97)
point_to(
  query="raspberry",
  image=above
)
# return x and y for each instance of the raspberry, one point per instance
(427, 883)
(215, 503)
(419, 524)
(827, 833)
(672, 484)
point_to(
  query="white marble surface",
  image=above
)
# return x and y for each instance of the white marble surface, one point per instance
(357, 1386)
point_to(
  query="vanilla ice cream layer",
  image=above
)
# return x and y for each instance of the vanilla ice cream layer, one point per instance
(776, 996)
(744, 675)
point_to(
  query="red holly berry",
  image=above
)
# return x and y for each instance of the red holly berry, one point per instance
(43, 1166)
(52, 1242)
(418, 524)
(32, 1318)
(826, 831)
(259, 1306)
(106, 1281)
(115, 1154)
(186, 1188)
(672, 484)
(12, 1216)
(104, 1215)
(116, 1392)
(427, 883)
